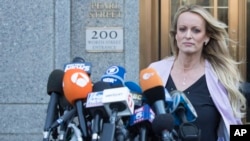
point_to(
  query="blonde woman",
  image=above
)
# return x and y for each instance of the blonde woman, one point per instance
(202, 68)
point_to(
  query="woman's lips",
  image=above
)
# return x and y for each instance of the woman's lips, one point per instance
(188, 43)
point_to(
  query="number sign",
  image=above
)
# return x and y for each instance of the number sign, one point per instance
(104, 39)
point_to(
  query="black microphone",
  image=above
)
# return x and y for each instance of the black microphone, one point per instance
(65, 108)
(184, 114)
(96, 109)
(163, 125)
(140, 122)
(78, 59)
(54, 89)
(153, 90)
(64, 118)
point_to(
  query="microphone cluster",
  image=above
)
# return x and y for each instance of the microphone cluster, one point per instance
(114, 109)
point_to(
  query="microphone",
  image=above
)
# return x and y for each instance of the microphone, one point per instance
(163, 125)
(79, 63)
(65, 109)
(114, 75)
(168, 100)
(182, 109)
(184, 113)
(54, 89)
(76, 86)
(153, 90)
(78, 59)
(64, 118)
(136, 92)
(65, 106)
(63, 103)
(117, 102)
(95, 107)
(94, 103)
(140, 122)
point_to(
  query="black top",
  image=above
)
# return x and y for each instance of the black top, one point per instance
(208, 116)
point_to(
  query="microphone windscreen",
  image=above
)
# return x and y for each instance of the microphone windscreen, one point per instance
(55, 82)
(136, 92)
(114, 75)
(154, 94)
(163, 122)
(100, 86)
(149, 78)
(133, 87)
(76, 85)
(78, 60)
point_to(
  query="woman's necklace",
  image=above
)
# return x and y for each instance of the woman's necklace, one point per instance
(184, 81)
(185, 76)
(186, 73)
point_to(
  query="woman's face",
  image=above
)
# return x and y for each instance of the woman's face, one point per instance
(191, 33)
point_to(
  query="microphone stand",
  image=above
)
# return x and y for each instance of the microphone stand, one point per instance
(113, 116)
(81, 118)
(51, 114)
(108, 130)
(63, 128)
(115, 107)
(121, 132)
(143, 133)
(96, 126)
(166, 136)
(48, 132)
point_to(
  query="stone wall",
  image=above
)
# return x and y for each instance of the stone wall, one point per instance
(38, 36)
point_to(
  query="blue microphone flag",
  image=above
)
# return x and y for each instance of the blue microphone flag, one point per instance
(144, 113)
(179, 98)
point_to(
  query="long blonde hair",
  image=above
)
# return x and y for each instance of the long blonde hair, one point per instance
(217, 53)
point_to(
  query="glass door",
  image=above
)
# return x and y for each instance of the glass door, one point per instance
(231, 12)
(155, 21)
